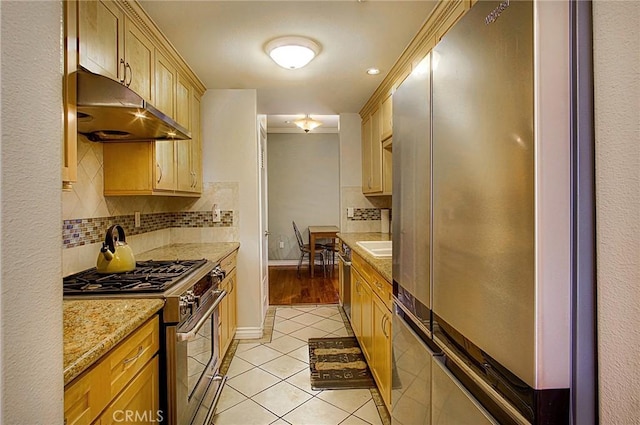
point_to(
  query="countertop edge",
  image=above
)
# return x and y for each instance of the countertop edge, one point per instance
(88, 358)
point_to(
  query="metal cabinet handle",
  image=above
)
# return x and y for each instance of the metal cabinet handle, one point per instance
(379, 285)
(124, 71)
(159, 169)
(127, 66)
(134, 358)
(385, 318)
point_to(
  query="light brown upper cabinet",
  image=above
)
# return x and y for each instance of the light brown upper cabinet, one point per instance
(387, 118)
(372, 153)
(139, 61)
(110, 44)
(196, 144)
(118, 39)
(165, 85)
(100, 33)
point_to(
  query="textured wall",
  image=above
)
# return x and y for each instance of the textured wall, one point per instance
(617, 132)
(303, 186)
(31, 305)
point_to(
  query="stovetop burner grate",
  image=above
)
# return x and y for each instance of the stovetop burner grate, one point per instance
(148, 277)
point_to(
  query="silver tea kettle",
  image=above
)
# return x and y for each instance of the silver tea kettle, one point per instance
(115, 255)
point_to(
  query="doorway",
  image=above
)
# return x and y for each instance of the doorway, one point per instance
(304, 186)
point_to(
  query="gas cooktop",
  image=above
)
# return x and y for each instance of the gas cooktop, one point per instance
(148, 277)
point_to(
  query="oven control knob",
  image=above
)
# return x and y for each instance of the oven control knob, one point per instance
(190, 296)
(186, 307)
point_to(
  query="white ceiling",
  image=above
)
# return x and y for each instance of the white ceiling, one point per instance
(223, 42)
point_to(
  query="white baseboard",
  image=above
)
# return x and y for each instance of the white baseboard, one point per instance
(287, 263)
(249, 333)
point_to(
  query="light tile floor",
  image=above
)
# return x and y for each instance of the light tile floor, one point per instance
(268, 380)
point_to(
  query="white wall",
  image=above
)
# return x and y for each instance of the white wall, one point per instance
(304, 187)
(230, 154)
(617, 134)
(30, 250)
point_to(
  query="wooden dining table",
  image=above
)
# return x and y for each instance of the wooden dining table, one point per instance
(320, 232)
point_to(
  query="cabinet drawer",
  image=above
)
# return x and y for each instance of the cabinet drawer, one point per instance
(139, 402)
(128, 358)
(379, 285)
(228, 263)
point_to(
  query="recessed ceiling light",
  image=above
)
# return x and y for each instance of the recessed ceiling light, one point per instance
(292, 52)
(373, 71)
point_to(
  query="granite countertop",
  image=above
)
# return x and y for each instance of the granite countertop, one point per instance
(381, 265)
(93, 327)
(214, 251)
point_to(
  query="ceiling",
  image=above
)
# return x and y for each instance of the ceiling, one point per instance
(223, 42)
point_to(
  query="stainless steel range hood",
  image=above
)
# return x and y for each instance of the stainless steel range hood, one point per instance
(111, 112)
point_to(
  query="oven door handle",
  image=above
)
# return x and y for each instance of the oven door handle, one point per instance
(188, 336)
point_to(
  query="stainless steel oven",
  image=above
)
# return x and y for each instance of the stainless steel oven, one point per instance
(189, 382)
(192, 352)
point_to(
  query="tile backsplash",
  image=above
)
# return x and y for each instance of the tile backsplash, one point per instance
(85, 231)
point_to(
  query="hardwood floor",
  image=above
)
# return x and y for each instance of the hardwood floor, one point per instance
(286, 289)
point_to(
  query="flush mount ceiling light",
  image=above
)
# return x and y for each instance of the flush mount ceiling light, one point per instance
(307, 123)
(373, 71)
(292, 52)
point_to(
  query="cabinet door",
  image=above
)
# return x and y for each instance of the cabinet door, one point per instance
(367, 320)
(356, 302)
(184, 148)
(164, 178)
(381, 367)
(366, 155)
(128, 168)
(376, 151)
(140, 400)
(165, 85)
(232, 318)
(183, 102)
(196, 143)
(387, 118)
(139, 61)
(183, 165)
(100, 29)
(223, 325)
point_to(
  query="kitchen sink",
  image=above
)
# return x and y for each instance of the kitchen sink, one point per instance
(376, 248)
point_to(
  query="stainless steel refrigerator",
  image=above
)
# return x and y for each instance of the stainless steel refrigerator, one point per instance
(464, 228)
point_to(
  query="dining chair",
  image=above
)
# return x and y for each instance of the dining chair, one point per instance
(331, 248)
(305, 250)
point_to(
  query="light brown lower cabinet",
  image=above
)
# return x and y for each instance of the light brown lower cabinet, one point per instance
(139, 402)
(371, 322)
(126, 379)
(382, 348)
(227, 313)
(227, 310)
